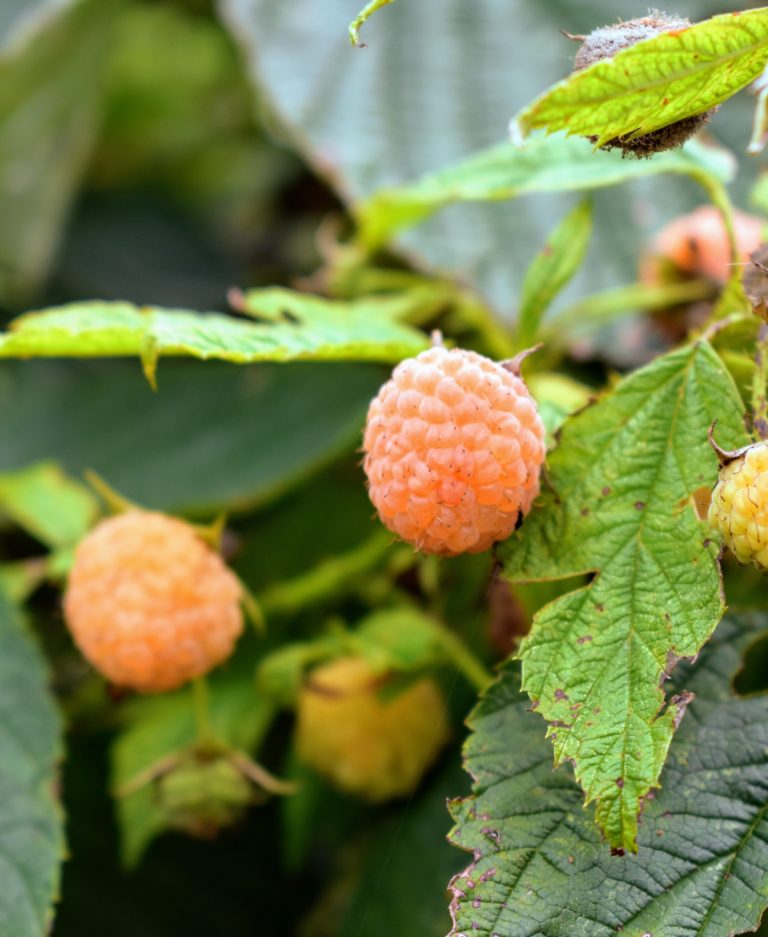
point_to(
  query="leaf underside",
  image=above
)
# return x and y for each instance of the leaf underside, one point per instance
(541, 868)
(658, 81)
(618, 503)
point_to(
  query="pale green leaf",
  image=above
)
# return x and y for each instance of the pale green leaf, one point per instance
(658, 81)
(48, 504)
(31, 835)
(544, 164)
(293, 329)
(551, 270)
(541, 868)
(618, 502)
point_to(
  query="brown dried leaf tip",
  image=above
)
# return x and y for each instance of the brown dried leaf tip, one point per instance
(604, 43)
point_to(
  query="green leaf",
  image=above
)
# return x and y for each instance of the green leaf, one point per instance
(159, 726)
(618, 503)
(545, 164)
(658, 81)
(31, 836)
(214, 438)
(541, 868)
(295, 327)
(552, 268)
(48, 504)
(48, 118)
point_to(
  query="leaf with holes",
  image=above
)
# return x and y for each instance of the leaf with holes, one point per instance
(656, 82)
(620, 504)
(541, 869)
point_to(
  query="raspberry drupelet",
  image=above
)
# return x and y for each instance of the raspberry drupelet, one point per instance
(149, 604)
(739, 506)
(453, 451)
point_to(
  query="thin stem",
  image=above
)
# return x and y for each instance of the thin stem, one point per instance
(362, 16)
(464, 660)
(206, 738)
(759, 403)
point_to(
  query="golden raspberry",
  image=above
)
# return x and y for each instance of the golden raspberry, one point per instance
(739, 506)
(374, 748)
(454, 447)
(149, 604)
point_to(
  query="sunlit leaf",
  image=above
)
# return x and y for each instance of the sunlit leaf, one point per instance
(618, 502)
(658, 81)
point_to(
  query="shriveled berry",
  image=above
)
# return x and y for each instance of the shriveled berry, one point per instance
(454, 447)
(149, 604)
(739, 506)
(604, 43)
(373, 747)
(203, 796)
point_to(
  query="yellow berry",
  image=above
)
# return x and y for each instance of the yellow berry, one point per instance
(375, 748)
(739, 506)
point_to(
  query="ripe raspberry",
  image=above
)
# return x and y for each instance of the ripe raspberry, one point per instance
(604, 43)
(454, 447)
(149, 604)
(739, 506)
(376, 749)
(696, 245)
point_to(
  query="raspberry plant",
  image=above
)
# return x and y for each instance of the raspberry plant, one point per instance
(272, 280)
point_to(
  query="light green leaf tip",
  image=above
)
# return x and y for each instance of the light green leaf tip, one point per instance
(290, 327)
(655, 82)
(618, 503)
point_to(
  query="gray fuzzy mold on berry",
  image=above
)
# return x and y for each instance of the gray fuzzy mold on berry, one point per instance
(607, 41)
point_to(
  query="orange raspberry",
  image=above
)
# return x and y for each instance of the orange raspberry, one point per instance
(696, 245)
(454, 447)
(149, 604)
(376, 748)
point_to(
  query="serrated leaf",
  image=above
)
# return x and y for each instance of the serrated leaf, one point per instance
(619, 503)
(31, 836)
(541, 868)
(658, 81)
(48, 504)
(544, 164)
(293, 328)
(551, 270)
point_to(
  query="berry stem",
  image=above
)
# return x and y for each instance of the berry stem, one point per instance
(759, 403)
(464, 660)
(206, 738)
